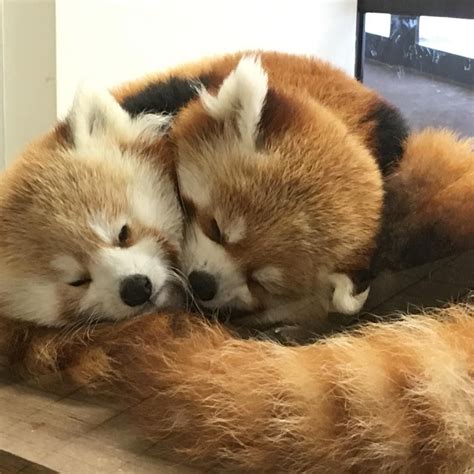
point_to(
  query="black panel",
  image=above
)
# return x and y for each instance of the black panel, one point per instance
(449, 8)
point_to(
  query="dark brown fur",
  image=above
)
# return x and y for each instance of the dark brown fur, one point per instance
(429, 202)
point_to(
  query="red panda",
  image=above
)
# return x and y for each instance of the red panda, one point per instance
(280, 177)
(392, 397)
(313, 202)
(275, 160)
(279, 161)
(90, 223)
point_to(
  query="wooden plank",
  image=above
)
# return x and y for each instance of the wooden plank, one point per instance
(11, 464)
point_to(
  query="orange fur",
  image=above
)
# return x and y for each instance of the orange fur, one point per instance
(305, 191)
(316, 78)
(391, 398)
(311, 208)
(429, 209)
(63, 203)
(395, 397)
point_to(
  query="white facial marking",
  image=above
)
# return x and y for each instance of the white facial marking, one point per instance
(235, 232)
(269, 274)
(344, 301)
(68, 266)
(31, 299)
(107, 232)
(112, 265)
(242, 94)
(202, 254)
(152, 199)
(154, 202)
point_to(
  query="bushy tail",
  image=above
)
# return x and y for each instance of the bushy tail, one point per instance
(429, 202)
(395, 397)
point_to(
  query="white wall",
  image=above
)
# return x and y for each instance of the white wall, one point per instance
(54, 44)
(116, 40)
(29, 72)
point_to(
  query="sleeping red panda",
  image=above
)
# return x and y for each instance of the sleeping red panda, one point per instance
(279, 161)
(90, 223)
(275, 162)
(393, 397)
(313, 202)
(278, 176)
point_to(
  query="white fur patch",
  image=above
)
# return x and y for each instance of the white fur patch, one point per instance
(30, 299)
(269, 275)
(97, 116)
(202, 254)
(107, 232)
(153, 201)
(344, 301)
(111, 265)
(236, 230)
(242, 94)
(68, 266)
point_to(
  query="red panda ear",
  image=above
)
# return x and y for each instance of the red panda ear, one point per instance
(241, 97)
(97, 116)
(429, 202)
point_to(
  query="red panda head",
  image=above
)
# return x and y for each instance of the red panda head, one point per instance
(278, 193)
(90, 224)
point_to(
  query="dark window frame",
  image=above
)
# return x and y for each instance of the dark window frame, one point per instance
(448, 8)
(451, 66)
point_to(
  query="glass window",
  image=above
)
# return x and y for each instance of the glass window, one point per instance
(424, 66)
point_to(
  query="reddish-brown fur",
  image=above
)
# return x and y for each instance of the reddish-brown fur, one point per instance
(319, 79)
(308, 191)
(395, 397)
(429, 210)
(293, 80)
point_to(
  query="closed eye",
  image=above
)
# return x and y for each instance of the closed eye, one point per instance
(124, 235)
(81, 282)
(215, 233)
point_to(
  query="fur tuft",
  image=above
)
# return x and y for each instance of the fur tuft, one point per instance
(344, 300)
(97, 116)
(242, 94)
(429, 202)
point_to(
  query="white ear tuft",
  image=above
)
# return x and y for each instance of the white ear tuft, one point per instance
(149, 126)
(241, 95)
(97, 116)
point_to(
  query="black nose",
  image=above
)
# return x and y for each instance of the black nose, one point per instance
(135, 290)
(203, 284)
